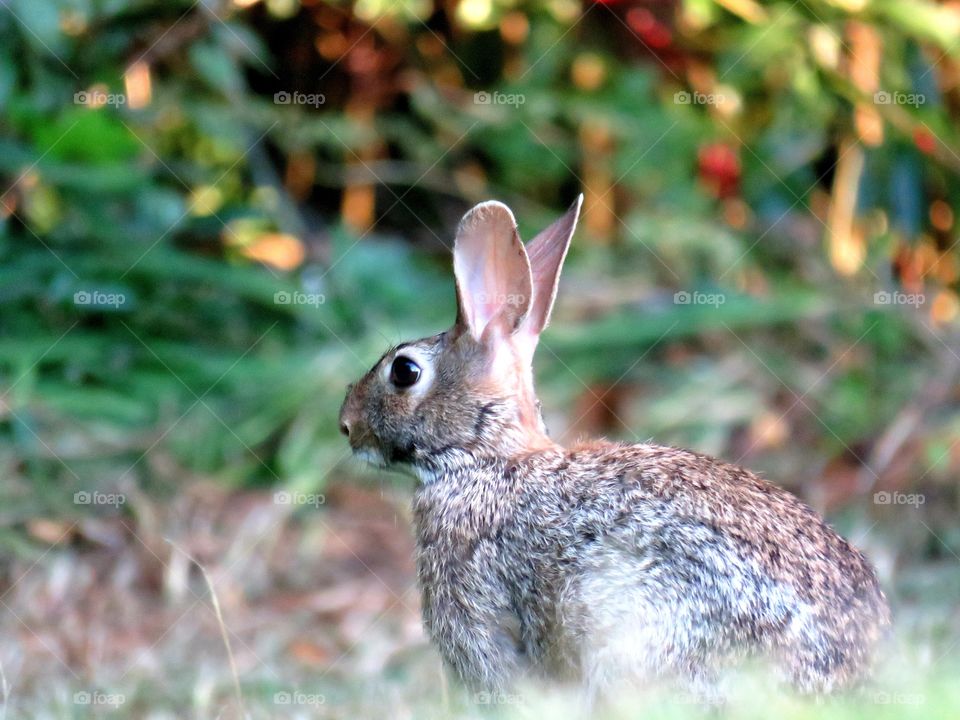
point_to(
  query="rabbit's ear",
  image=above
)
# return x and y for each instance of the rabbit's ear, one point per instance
(494, 286)
(546, 253)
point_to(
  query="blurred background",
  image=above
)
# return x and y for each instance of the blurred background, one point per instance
(216, 214)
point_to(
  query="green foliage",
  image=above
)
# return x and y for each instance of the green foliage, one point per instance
(191, 271)
(159, 205)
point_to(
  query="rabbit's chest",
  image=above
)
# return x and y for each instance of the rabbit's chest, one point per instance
(458, 564)
(483, 589)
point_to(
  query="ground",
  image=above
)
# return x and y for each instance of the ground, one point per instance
(314, 614)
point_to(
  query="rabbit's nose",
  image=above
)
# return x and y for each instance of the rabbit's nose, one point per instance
(345, 428)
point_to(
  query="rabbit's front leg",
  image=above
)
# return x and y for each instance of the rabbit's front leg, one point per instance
(469, 616)
(481, 643)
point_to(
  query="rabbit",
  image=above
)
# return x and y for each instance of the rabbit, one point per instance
(602, 564)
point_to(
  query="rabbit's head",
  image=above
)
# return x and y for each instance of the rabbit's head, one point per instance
(467, 392)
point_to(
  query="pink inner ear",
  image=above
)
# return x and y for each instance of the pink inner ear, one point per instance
(545, 261)
(547, 252)
(493, 274)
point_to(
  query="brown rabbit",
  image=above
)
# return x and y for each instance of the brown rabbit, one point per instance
(605, 563)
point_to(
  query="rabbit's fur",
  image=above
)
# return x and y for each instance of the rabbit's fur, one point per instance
(606, 563)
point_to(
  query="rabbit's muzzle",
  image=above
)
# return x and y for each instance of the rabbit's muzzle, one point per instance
(351, 419)
(345, 419)
(354, 424)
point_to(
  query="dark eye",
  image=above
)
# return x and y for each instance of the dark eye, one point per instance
(404, 372)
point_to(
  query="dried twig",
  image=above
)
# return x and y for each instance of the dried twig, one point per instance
(223, 627)
(909, 421)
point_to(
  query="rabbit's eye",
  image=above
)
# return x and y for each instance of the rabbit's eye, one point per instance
(404, 372)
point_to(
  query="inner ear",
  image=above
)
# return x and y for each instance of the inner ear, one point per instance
(546, 253)
(494, 283)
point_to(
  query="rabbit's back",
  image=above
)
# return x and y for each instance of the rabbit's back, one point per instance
(686, 562)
